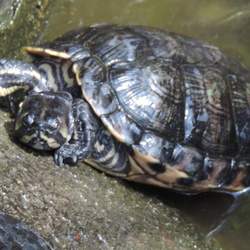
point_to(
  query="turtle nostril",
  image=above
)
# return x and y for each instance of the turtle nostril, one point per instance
(40, 129)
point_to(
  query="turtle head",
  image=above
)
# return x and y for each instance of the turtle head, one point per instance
(45, 120)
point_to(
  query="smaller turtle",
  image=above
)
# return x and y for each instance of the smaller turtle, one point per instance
(14, 234)
(141, 103)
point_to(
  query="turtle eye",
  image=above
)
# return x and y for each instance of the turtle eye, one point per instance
(27, 120)
(55, 124)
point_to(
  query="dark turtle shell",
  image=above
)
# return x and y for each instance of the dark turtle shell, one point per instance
(179, 105)
(14, 234)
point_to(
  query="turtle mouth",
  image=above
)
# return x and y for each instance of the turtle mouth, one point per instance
(40, 142)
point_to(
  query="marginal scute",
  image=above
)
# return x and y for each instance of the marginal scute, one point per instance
(123, 127)
(90, 70)
(119, 46)
(149, 180)
(46, 52)
(70, 51)
(101, 98)
(171, 176)
(154, 146)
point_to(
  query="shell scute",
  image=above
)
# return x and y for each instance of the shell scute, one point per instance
(123, 127)
(100, 98)
(142, 89)
(120, 45)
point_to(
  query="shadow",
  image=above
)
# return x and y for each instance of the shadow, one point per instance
(220, 214)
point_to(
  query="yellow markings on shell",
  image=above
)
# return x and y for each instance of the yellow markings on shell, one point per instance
(149, 181)
(10, 90)
(171, 175)
(140, 173)
(135, 168)
(92, 163)
(143, 160)
(115, 131)
(46, 52)
(168, 177)
(51, 79)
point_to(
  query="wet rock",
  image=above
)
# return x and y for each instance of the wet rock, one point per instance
(21, 22)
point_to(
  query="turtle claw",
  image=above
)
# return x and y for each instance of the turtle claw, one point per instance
(74, 158)
(70, 154)
(58, 159)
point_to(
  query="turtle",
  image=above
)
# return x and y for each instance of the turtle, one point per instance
(141, 103)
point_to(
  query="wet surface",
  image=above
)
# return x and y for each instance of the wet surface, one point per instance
(80, 208)
(21, 24)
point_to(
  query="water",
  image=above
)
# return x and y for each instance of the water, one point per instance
(223, 23)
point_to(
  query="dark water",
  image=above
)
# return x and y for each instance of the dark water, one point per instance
(224, 23)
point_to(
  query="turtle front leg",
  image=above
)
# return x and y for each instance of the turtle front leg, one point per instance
(86, 128)
(17, 77)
